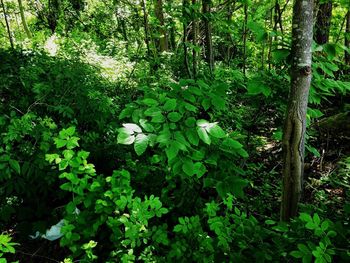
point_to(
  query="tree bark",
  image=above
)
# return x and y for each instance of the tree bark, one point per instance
(185, 5)
(7, 24)
(295, 123)
(323, 22)
(163, 40)
(194, 40)
(347, 38)
(245, 31)
(23, 18)
(146, 27)
(209, 57)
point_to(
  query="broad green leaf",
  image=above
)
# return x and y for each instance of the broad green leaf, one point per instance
(231, 143)
(164, 136)
(192, 137)
(158, 118)
(203, 135)
(188, 167)
(190, 122)
(126, 113)
(174, 116)
(216, 131)
(141, 143)
(170, 105)
(150, 102)
(15, 166)
(206, 103)
(153, 111)
(218, 102)
(199, 169)
(305, 217)
(256, 87)
(131, 128)
(171, 151)
(296, 254)
(125, 137)
(70, 131)
(60, 142)
(146, 125)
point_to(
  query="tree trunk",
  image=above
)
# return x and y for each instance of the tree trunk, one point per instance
(194, 40)
(24, 22)
(245, 31)
(347, 38)
(323, 23)
(185, 5)
(145, 27)
(206, 6)
(53, 14)
(7, 24)
(295, 123)
(163, 40)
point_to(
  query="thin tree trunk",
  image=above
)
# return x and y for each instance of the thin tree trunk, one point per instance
(229, 42)
(323, 22)
(209, 57)
(146, 28)
(194, 40)
(24, 22)
(295, 123)
(245, 31)
(163, 40)
(347, 38)
(185, 5)
(7, 24)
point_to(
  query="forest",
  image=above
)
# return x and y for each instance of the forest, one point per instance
(174, 131)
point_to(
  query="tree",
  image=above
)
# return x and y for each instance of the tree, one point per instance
(7, 24)
(323, 22)
(295, 122)
(347, 38)
(209, 57)
(163, 39)
(24, 22)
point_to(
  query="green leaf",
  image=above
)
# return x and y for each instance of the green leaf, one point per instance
(170, 105)
(256, 87)
(158, 118)
(141, 143)
(174, 116)
(305, 217)
(296, 254)
(218, 102)
(203, 135)
(60, 142)
(70, 131)
(146, 126)
(199, 169)
(192, 137)
(124, 137)
(153, 111)
(231, 143)
(188, 167)
(15, 166)
(206, 104)
(150, 102)
(303, 248)
(190, 122)
(317, 219)
(131, 128)
(216, 131)
(171, 151)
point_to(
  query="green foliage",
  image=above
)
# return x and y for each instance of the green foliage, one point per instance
(6, 247)
(101, 202)
(185, 145)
